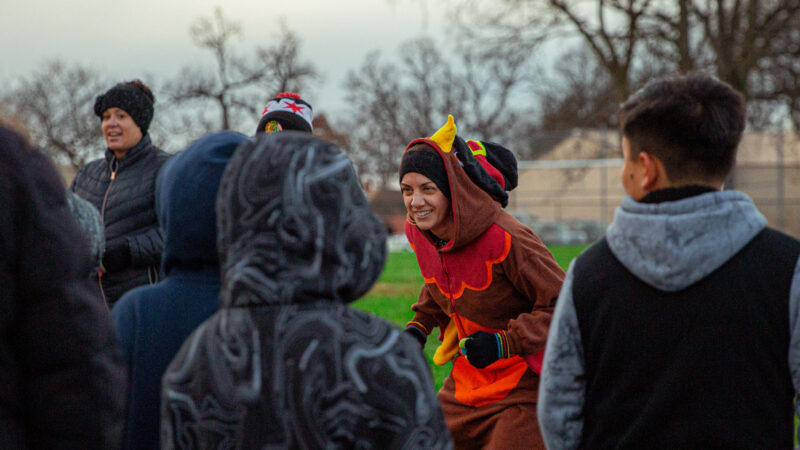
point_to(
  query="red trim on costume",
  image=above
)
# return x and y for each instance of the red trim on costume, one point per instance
(466, 270)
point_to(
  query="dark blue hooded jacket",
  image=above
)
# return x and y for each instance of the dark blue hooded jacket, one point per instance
(152, 322)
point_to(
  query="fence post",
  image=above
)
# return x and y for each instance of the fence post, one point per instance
(780, 183)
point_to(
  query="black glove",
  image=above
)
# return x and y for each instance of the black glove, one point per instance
(418, 335)
(117, 257)
(482, 348)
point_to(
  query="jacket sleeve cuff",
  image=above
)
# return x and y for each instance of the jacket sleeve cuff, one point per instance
(146, 248)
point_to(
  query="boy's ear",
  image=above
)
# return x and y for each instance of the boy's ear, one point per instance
(652, 171)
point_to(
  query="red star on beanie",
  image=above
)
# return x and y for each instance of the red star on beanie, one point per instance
(289, 110)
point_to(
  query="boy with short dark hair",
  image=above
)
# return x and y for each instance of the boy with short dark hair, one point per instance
(679, 329)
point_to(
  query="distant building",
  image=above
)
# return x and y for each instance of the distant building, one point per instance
(578, 178)
(323, 130)
(388, 205)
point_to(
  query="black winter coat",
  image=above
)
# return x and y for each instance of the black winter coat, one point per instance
(62, 384)
(126, 203)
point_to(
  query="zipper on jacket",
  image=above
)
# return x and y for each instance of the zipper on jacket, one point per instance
(114, 166)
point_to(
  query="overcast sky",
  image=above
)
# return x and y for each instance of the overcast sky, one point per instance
(137, 38)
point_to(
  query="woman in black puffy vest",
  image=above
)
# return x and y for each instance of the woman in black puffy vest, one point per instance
(122, 187)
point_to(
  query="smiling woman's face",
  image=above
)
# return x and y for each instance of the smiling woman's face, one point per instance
(427, 205)
(120, 131)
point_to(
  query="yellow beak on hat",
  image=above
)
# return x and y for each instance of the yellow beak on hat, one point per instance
(445, 136)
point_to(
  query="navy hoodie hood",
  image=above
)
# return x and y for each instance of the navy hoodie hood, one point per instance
(185, 203)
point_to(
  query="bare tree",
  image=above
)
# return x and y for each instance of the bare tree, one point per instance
(523, 25)
(377, 134)
(674, 38)
(235, 81)
(56, 104)
(773, 82)
(783, 72)
(612, 30)
(579, 95)
(729, 37)
(285, 69)
(751, 44)
(741, 34)
(396, 101)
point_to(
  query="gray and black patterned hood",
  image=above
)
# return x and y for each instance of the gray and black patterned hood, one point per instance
(671, 245)
(285, 363)
(295, 225)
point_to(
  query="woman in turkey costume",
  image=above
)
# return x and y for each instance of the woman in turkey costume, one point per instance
(490, 286)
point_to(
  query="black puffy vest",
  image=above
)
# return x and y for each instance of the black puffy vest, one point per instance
(703, 367)
(129, 211)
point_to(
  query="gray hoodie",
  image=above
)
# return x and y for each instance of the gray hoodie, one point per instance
(670, 246)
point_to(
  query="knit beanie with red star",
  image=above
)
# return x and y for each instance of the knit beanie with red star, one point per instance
(290, 112)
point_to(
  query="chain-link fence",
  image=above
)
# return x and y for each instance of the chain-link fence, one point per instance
(570, 197)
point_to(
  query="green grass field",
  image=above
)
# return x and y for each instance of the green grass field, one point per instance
(398, 288)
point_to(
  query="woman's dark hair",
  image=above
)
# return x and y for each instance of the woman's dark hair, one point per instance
(692, 123)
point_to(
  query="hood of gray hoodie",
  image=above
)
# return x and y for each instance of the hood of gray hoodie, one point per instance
(672, 245)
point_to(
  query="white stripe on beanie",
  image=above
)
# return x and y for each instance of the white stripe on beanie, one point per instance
(289, 105)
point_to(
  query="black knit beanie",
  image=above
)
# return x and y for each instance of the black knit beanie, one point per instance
(130, 99)
(426, 161)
